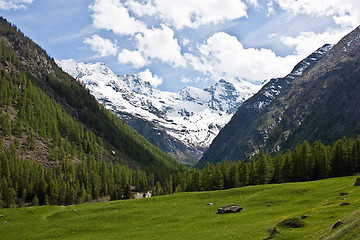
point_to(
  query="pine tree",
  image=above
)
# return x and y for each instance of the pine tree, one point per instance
(234, 175)
(308, 164)
(244, 174)
(264, 168)
(35, 201)
(277, 162)
(127, 192)
(217, 180)
(252, 171)
(286, 171)
(207, 176)
(195, 180)
(338, 159)
(321, 162)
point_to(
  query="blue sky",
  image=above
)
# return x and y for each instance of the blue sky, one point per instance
(176, 43)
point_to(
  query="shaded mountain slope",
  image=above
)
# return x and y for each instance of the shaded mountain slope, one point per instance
(319, 100)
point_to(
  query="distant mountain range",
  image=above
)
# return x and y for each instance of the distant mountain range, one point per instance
(318, 100)
(182, 124)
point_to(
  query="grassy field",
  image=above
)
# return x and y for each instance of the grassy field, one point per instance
(187, 215)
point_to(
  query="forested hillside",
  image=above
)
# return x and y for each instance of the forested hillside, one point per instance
(304, 163)
(58, 145)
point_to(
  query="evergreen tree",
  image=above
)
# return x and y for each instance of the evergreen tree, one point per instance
(264, 168)
(244, 174)
(338, 159)
(277, 162)
(286, 171)
(207, 176)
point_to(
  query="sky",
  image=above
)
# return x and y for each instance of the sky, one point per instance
(178, 43)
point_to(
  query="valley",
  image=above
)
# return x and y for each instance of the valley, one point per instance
(79, 142)
(188, 215)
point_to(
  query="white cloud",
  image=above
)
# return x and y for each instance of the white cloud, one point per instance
(180, 14)
(114, 16)
(270, 9)
(253, 2)
(185, 41)
(154, 43)
(147, 76)
(223, 56)
(193, 14)
(103, 47)
(132, 57)
(186, 80)
(307, 42)
(14, 4)
(161, 44)
(344, 12)
(141, 9)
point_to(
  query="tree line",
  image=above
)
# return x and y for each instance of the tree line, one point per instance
(304, 163)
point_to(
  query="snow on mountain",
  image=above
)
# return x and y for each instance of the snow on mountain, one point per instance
(193, 116)
(275, 86)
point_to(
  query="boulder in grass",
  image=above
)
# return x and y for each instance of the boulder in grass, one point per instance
(337, 224)
(343, 194)
(357, 182)
(229, 209)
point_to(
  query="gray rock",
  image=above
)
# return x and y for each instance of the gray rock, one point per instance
(229, 209)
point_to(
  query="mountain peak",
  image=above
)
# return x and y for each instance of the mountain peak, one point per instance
(189, 119)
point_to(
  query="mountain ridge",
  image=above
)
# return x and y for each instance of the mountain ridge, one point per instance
(305, 107)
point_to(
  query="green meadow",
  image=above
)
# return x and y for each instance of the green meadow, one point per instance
(188, 215)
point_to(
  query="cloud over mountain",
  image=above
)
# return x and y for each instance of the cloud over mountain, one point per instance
(187, 42)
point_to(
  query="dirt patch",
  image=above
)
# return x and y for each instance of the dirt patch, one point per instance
(40, 154)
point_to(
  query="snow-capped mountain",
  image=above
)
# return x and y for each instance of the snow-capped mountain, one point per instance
(270, 118)
(189, 119)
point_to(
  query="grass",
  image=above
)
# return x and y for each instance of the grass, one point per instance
(187, 215)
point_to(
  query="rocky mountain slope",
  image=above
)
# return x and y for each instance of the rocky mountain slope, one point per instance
(39, 100)
(182, 124)
(318, 100)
